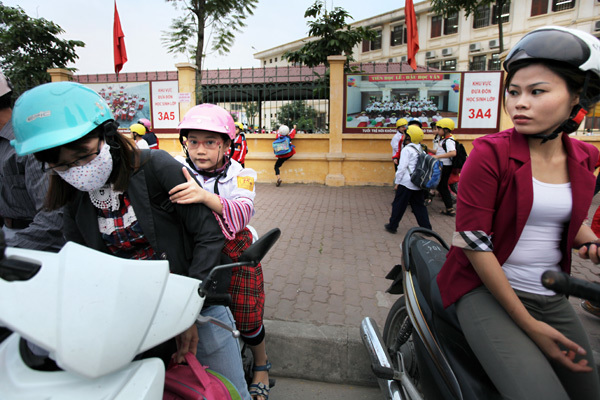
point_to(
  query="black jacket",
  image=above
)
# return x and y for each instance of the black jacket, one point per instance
(186, 235)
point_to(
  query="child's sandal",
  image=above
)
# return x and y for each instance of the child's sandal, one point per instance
(260, 389)
(449, 212)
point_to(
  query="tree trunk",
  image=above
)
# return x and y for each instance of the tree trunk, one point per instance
(499, 7)
(198, 8)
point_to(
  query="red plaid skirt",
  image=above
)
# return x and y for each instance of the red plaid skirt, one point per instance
(247, 287)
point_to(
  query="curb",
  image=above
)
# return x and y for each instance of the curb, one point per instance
(323, 353)
(333, 354)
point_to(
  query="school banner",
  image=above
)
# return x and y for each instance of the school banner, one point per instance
(375, 102)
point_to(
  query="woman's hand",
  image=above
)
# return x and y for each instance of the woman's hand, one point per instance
(188, 192)
(548, 339)
(187, 342)
(590, 251)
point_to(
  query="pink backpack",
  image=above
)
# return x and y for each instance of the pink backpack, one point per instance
(192, 381)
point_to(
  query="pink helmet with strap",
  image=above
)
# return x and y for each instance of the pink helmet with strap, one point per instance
(207, 117)
(146, 122)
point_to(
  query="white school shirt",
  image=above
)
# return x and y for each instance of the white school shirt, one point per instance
(407, 163)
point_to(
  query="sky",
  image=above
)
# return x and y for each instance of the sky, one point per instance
(275, 22)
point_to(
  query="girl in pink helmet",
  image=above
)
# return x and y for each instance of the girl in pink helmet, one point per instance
(227, 188)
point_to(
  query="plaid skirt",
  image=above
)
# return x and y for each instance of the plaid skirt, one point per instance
(247, 287)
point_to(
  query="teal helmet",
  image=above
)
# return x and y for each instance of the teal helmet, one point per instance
(54, 114)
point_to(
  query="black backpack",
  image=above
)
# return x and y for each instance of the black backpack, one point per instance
(461, 154)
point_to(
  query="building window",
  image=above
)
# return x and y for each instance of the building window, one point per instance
(451, 24)
(561, 5)
(398, 36)
(481, 18)
(447, 25)
(504, 14)
(540, 7)
(436, 26)
(449, 65)
(374, 44)
(433, 64)
(275, 59)
(270, 61)
(477, 64)
(494, 63)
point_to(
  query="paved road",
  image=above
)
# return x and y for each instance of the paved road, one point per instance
(329, 266)
(287, 389)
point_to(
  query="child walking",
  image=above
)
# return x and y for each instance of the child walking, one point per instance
(406, 191)
(227, 188)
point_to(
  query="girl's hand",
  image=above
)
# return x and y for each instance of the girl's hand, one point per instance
(548, 340)
(187, 342)
(590, 251)
(188, 192)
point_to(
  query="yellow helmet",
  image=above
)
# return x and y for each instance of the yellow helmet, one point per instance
(240, 126)
(415, 133)
(138, 129)
(445, 123)
(401, 122)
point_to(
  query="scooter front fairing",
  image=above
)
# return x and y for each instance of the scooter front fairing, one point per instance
(94, 313)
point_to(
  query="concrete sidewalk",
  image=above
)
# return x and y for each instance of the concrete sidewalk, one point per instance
(327, 272)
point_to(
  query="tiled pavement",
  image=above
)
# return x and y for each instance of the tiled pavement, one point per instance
(329, 265)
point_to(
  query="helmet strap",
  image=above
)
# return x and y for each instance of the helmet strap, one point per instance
(568, 126)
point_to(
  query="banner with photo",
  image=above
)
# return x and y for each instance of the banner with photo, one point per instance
(128, 101)
(375, 102)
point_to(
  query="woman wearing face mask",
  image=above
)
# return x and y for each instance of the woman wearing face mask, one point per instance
(524, 195)
(116, 201)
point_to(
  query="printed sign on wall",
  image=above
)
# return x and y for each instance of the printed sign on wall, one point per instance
(480, 100)
(165, 106)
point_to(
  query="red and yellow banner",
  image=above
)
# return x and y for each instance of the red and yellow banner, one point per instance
(405, 77)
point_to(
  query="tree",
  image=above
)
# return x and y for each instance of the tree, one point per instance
(30, 46)
(251, 108)
(336, 37)
(449, 7)
(224, 17)
(297, 113)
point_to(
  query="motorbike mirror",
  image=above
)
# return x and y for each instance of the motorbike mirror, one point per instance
(261, 247)
(250, 257)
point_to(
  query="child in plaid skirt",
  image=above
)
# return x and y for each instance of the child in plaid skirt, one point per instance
(228, 190)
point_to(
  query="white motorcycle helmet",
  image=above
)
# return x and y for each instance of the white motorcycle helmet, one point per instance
(569, 46)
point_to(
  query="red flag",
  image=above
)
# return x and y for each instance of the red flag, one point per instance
(119, 42)
(412, 33)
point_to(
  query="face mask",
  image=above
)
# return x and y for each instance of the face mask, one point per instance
(92, 175)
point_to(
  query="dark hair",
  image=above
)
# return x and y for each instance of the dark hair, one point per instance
(415, 122)
(6, 101)
(123, 153)
(574, 78)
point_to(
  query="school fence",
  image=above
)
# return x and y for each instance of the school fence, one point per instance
(264, 97)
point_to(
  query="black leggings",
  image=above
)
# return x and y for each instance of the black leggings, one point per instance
(279, 163)
(443, 186)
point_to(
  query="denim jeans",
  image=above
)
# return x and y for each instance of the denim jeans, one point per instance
(219, 350)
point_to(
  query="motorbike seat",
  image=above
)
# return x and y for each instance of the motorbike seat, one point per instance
(427, 258)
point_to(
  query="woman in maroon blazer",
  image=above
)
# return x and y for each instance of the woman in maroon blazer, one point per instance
(524, 195)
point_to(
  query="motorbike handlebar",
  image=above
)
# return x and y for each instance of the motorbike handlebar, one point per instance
(561, 282)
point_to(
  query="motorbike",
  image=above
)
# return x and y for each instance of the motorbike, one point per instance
(83, 307)
(423, 353)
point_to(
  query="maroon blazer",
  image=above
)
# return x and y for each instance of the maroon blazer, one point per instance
(496, 196)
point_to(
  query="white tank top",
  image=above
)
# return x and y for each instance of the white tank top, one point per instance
(538, 248)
